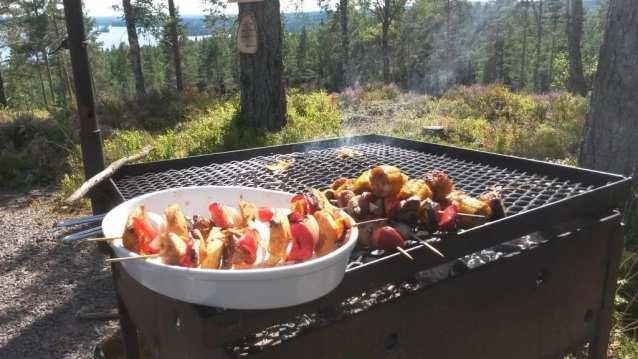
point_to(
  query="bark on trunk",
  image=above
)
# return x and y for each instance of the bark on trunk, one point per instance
(134, 49)
(576, 82)
(385, 46)
(177, 59)
(39, 68)
(552, 50)
(263, 98)
(3, 97)
(345, 59)
(539, 46)
(523, 74)
(611, 135)
(47, 66)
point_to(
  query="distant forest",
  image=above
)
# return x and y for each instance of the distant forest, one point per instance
(425, 46)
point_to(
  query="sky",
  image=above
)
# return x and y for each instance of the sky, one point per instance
(191, 7)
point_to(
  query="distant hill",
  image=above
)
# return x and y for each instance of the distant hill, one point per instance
(197, 25)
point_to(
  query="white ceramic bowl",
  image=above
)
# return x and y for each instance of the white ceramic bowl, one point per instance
(239, 289)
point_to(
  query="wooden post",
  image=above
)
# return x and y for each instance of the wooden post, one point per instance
(90, 136)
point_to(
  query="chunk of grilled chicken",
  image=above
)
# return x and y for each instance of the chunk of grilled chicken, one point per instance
(440, 184)
(129, 237)
(248, 212)
(172, 247)
(176, 221)
(362, 183)
(328, 233)
(415, 187)
(211, 249)
(279, 239)
(386, 180)
(469, 205)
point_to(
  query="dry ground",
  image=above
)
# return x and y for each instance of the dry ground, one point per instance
(44, 283)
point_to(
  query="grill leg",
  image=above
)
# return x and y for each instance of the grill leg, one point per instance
(127, 327)
(600, 341)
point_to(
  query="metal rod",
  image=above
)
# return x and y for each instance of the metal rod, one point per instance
(90, 136)
(81, 220)
(91, 232)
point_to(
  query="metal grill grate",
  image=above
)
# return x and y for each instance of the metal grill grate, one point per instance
(318, 168)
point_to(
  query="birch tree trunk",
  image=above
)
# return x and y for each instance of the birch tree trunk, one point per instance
(576, 82)
(538, 12)
(523, 73)
(263, 98)
(134, 48)
(177, 58)
(611, 132)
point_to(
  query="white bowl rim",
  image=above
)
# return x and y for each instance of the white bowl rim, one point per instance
(291, 270)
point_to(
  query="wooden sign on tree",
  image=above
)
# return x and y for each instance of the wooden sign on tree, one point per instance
(247, 34)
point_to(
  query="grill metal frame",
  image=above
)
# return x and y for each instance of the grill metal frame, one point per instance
(601, 193)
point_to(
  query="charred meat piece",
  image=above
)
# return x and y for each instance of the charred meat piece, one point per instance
(495, 201)
(202, 224)
(386, 181)
(359, 205)
(440, 184)
(428, 214)
(408, 211)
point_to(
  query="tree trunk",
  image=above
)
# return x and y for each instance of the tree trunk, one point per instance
(611, 134)
(134, 49)
(576, 82)
(3, 97)
(345, 59)
(39, 68)
(61, 64)
(263, 98)
(177, 59)
(47, 66)
(523, 74)
(539, 46)
(552, 50)
(385, 46)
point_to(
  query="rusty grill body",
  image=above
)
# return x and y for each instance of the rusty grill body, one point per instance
(540, 302)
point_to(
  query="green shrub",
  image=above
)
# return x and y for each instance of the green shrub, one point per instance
(33, 147)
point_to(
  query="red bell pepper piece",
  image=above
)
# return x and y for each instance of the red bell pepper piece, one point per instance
(302, 243)
(145, 234)
(247, 244)
(218, 216)
(265, 214)
(295, 217)
(447, 220)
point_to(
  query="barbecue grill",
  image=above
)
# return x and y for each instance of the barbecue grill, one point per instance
(536, 284)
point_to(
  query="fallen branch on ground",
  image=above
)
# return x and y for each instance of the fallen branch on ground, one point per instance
(106, 173)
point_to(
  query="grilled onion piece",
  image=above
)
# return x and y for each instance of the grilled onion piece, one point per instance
(440, 184)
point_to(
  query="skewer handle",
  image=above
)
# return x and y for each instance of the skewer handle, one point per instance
(132, 258)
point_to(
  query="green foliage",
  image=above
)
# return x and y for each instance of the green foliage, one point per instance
(33, 146)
